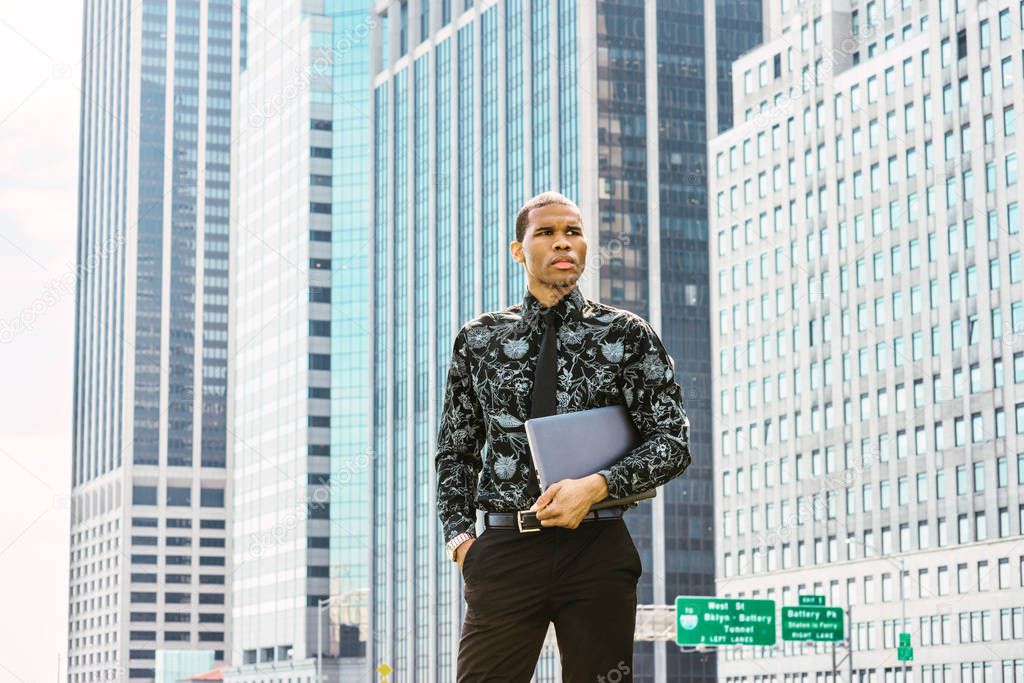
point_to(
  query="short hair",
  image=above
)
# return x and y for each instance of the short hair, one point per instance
(543, 199)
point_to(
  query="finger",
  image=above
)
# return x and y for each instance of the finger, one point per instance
(549, 512)
(546, 497)
(557, 519)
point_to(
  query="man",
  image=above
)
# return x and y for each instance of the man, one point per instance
(581, 569)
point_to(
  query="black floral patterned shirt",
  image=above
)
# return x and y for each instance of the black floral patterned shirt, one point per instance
(606, 356)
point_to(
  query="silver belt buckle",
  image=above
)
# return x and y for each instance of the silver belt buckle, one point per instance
(529, 524)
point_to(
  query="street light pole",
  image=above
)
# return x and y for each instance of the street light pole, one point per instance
(320, 606)
(903, 616)
(349, 599)
(849, 647)
(320, 638)
(903, 595)
(849, 638)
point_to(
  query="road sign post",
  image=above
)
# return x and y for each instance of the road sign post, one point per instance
(724, 621)
(812, 600)
(822, 624)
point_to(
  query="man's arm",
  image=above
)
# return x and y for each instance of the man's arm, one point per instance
(460, 439)
(655, 402)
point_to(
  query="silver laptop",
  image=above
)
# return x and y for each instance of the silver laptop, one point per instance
(575, 445)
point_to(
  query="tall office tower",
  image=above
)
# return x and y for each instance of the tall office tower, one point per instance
(301, 340)
(478, 106)
(149, 484)
(868, 299)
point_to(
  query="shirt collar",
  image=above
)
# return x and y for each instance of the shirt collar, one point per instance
(570, 306)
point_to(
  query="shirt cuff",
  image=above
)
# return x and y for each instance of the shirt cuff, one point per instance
(607, 474)
(469, 527)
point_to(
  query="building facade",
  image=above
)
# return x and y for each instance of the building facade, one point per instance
(301, 339)
(173, 666)
(149, 546)
(477, 107)
(867, 312)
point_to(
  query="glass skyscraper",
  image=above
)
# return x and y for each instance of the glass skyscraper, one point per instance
(478, 106)
(301, 340)
(149, 553)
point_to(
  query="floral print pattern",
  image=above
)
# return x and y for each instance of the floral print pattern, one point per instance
(606, 356)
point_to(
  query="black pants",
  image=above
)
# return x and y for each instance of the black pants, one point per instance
(584, 580)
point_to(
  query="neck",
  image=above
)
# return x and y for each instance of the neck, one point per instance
(549, 295)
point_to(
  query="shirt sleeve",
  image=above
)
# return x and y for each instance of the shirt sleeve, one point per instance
(655, 403)
(460, 440)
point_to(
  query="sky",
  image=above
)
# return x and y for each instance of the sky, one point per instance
(40, 51)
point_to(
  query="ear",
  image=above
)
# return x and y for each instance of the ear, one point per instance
(517, 251)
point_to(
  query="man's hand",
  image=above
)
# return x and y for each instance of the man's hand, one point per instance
(567, 501)
(460, 552)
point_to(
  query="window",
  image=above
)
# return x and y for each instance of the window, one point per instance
(211, 497)
(963, 529)
(1003, 573)
(961, 480)
(179, 496)
(143, 495)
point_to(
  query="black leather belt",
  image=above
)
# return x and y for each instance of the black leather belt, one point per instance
(525, 521)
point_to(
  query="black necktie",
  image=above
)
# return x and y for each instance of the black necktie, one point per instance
(545, 382)
(545, 375)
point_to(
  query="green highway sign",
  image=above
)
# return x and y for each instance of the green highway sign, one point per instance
(724, 621)
(812, 600)
(905, 653)
(812, 623)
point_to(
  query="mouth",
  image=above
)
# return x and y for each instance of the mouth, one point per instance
(564, 262)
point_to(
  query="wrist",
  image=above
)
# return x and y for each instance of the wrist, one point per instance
(598, 487)
(456, 542)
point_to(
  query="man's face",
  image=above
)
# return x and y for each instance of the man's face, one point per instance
(553, 249)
